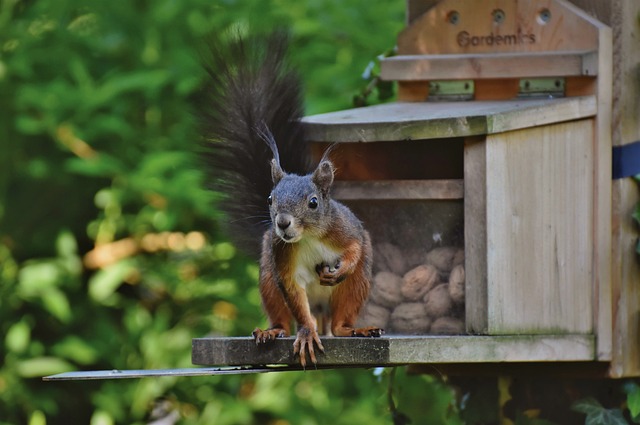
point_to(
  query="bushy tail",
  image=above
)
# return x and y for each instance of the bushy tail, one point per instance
(250, 85)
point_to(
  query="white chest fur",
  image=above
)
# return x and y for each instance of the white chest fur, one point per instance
(309, 254)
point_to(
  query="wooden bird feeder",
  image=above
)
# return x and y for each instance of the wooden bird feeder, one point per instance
(499, 146)
(534, 145)
(496, 159)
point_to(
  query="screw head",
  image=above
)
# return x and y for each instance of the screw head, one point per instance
(544, 16)
(453, 17)
(498, 16)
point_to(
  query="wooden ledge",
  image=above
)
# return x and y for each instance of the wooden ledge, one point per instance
(395, 190)
(402, 121)
(394, 350)
(490, 65)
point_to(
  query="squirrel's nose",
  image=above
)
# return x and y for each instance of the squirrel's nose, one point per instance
(283, 222)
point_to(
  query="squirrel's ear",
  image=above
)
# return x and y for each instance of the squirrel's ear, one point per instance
(276, 172)
(323, 176)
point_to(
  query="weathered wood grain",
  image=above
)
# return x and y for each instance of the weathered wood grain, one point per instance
(540, 229)
(489, 65)
(400, 350)
(389, 190)
(522, 28)
(429, 120)
(475, 235)
(626, 129)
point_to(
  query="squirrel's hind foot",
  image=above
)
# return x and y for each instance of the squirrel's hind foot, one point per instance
(370, 332)
(349, 331)
(268, 335)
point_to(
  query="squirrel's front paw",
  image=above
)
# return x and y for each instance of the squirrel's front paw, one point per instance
(330, 275)
(305, 339)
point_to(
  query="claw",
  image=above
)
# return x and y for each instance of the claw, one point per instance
(304, 343)
(268, 335)
(368, 332)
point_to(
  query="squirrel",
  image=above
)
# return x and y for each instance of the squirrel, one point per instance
(315, 256)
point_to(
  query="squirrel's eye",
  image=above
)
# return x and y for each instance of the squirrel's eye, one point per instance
(270, 200)
(313, 203)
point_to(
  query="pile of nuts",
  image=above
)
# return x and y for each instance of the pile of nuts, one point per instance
(416, 293)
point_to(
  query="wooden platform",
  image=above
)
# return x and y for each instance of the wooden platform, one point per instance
(395, 350)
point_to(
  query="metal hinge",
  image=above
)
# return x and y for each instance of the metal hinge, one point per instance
(451, 90)
(541, 87)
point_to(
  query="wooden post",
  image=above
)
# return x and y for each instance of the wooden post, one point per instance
(623, 16)
(625, 21)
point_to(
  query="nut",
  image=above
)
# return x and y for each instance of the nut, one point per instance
(458, 258)
(438, 301)
(410, 318)
(456, 284)
(374, 315)
(386, 290)
(447, 325)
(442, 258)
(418, 281)
(388, 257)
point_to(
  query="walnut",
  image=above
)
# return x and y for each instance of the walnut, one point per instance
(386, 290)
(442, 258)
(410, 318)
(414, 257)
(447, 325)
(458, 258)
(374, 315)
(438, 301)
(418, 281)
(456, 284)
(388, 257)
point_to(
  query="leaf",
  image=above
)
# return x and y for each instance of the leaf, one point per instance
(100, 417)
(117, 85)
(18, 337)
(598, 415)
(42, 366)
(588, 406)
(29, 125)
(56, 303)
(633, 400)
(38, 418)
(105, 282)
(66, 245)
(607, 417)
(636, 213)
(76, 349)
(37, 277)
(101, 165)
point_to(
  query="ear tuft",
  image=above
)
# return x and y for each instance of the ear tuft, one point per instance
(276, 172)
(323, 176)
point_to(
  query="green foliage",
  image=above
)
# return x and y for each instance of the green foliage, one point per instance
(427, 401)
(597, 414)
(632, 389)
(111, 252)
(371, 75)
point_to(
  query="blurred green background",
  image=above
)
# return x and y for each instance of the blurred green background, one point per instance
(111, 251)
